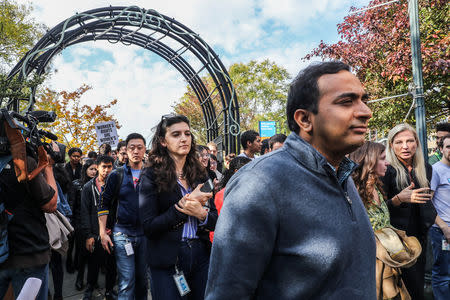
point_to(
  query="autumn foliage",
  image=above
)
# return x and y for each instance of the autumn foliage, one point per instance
(75, 123)
(261, 89)
(376, 43)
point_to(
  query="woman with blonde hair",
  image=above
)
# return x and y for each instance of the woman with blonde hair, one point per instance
(406, 185)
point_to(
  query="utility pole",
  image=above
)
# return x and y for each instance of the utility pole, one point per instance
(417, 89)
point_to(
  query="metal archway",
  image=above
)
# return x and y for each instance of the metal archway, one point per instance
(164, 36)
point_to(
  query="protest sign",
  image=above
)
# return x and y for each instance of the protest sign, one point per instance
(107, 133)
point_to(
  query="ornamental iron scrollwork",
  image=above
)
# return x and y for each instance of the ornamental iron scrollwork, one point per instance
(164, 36)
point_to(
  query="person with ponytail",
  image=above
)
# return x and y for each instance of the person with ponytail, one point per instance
(176, 216)
(406, 184)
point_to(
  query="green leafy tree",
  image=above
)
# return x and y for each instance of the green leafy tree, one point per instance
(261, 89)
(376, 43)
(18, 32)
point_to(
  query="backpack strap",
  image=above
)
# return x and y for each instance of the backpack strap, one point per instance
(112, 218)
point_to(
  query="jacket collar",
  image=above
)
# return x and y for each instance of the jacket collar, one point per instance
(127, 168)
(310, 158)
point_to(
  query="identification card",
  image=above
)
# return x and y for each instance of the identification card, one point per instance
(181, 283)
(129, 249)
(445, 245)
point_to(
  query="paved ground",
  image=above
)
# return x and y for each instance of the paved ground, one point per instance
(69, 291)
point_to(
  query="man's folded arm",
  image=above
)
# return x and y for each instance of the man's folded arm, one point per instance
(243, 241)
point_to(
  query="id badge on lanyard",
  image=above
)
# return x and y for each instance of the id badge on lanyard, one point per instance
(445, 245)
(181, 283)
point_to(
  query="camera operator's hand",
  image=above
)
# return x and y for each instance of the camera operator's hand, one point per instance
(55, 149)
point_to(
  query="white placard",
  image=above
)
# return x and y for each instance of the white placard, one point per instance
(107, 133)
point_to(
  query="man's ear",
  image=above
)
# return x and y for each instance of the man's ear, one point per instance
(303, 118)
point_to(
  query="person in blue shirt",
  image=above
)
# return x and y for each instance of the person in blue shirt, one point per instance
(440, 231)
(120, 226)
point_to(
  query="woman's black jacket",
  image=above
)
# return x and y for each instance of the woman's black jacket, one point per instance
(163, 223)
(414, 218)
(90, 196)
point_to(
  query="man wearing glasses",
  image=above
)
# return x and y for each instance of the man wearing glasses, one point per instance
(120, 227)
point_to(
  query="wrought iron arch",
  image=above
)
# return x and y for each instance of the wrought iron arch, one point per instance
(162, 35)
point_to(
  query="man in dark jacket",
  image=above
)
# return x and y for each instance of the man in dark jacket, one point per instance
(125, 233)
(89, 225)
(301, 232)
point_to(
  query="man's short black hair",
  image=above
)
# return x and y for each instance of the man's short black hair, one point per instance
(443, 126)
(120, 145)
(106, 159)
(248, 136)
(277, 138)
(304, 90)
(441, 142)
(133, 136)
(73, 150)
(92, 154)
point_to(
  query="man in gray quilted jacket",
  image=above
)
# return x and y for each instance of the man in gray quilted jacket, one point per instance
(301, 232)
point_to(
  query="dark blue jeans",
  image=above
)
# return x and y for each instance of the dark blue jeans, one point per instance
(193, 260)
(18, 277)
(440, 274)
(132, 269)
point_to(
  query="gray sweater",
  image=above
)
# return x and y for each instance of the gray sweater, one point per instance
(291, 228)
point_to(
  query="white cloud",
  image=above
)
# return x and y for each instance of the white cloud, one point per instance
(145, 91)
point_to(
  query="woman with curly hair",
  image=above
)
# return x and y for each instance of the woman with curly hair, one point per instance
(176, 216)
(372, 164)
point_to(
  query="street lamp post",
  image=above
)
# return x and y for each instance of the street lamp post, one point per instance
(417, 90)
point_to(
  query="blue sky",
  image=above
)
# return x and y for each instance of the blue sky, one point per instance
(146, 86)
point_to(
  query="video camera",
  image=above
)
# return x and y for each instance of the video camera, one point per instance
(27, 125)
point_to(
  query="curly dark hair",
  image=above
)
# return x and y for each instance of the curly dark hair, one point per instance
(364, 175)
(163, 165)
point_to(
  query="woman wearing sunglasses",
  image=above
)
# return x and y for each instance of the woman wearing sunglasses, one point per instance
(177, 217)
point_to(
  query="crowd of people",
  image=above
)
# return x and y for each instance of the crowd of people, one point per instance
(319, 214)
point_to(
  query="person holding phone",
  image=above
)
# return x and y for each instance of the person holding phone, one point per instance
(176, 215)
(406, 184)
